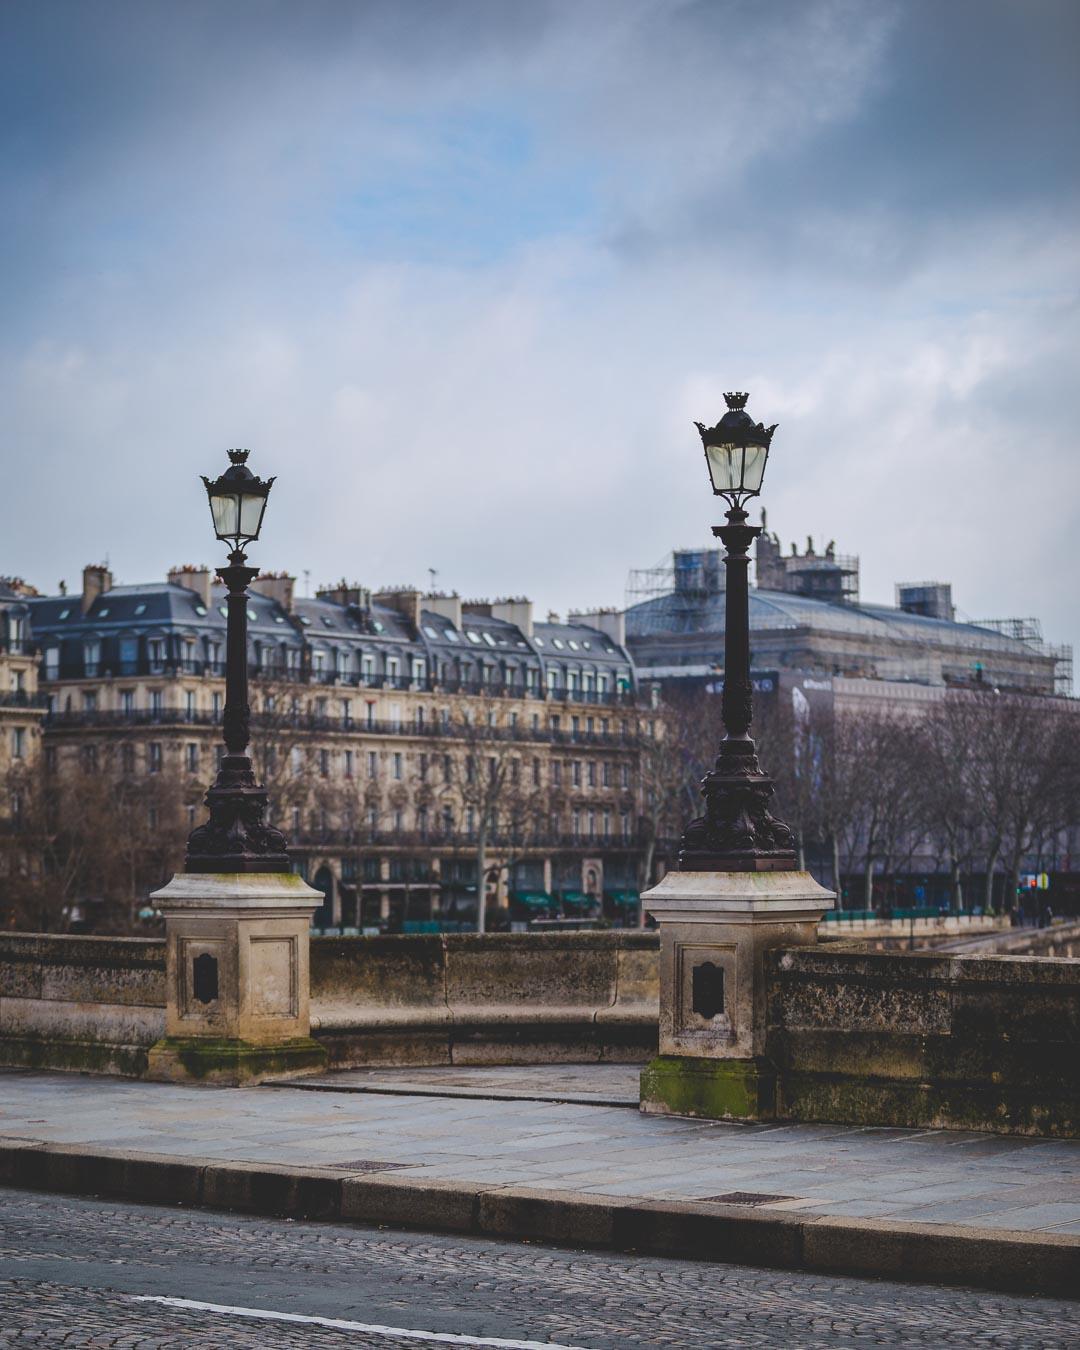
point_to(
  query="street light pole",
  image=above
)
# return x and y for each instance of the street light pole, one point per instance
(236, 838)
(737, 832)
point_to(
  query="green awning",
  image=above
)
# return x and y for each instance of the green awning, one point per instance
(533, 899)
(579, 899)
(624, 897)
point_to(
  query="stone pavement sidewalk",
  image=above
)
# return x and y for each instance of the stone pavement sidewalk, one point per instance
(922, 1203)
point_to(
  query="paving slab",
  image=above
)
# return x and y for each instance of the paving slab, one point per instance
(822, 1196)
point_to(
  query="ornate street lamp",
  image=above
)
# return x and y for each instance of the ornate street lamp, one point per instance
(236, 837)
(737, 833)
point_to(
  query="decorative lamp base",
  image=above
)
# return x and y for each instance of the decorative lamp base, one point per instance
(230, 1062)
(711, 1089)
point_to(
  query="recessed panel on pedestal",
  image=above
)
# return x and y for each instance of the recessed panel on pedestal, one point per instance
(274, 977)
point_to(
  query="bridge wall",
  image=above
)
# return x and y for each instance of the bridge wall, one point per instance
(924, 1039)
(907, 1039)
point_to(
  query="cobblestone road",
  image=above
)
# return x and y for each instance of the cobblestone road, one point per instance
(72, 1272)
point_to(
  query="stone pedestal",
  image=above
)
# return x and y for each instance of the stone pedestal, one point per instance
(715, 928)
(237, 977)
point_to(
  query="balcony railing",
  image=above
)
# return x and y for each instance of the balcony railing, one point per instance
(19, 698)
(83, 670)
(459, 840)
(326, 724)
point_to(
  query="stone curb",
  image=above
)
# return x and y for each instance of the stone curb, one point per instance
(1020, 1262)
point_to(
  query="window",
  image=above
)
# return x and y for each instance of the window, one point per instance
(470, 819)
(513, 723)
(624, 825)
(575, 824)
(296, 819)
(423, 762)
(447, 769)
(422, 820)
(553, 723)
(515, 771)
(189, 702)
(52, 662)
(346, 711)
(419, 669)
(592, 824)
(153, 757)
(91, 657)
(155, 654)
(18, 742)
(399, 821)
(215, 702)
(607, 826)
(575, 727)
(192, 757)
(89, 700)
(493, 769)
(575, 770)
(607, 774)
(348, 763)
(470, 768)
(556, 773)
(419, 719)
(155, 702)
(127, 701)
(372, 764)
(324, 763)
(592, 772)
(296, 761)
(397, 765)
(624, 775)
(395, 716)
(536, 773)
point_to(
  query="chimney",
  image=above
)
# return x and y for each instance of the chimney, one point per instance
(346, 594)
(610, 622)
(449, 606)
(403, 599)
(195, 579)
(96, 580)
(278, 586)
(516, 610)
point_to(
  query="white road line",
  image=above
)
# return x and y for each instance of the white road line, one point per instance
(340, 1324)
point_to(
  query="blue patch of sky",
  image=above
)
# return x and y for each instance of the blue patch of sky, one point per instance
(476, 187)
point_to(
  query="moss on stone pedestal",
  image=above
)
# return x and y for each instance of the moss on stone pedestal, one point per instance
(713, 1089)
(231, 1062)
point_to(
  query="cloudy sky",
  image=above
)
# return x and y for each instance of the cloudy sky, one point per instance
(463, 272)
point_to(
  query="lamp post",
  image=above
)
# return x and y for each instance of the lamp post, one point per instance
(236, 838)
(737, 833)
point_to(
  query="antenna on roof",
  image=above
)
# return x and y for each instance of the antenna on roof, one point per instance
(307, 582)
(432, 573)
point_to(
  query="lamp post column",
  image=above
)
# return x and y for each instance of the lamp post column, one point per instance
(236, 722)
(737, 697)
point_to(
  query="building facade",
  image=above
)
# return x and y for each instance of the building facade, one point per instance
(406, 739)
(806, 617)
(22, 712)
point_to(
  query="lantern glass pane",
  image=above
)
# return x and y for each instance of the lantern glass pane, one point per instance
(226, 512)
(754, 467)
(725, 466)
(251, 515)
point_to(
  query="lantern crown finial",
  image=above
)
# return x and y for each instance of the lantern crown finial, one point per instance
(239, 456)
(736, 402)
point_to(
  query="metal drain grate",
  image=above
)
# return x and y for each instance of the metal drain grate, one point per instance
(745, 1198)
(368, 1165)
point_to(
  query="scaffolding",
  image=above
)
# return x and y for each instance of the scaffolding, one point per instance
(1029, 632)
